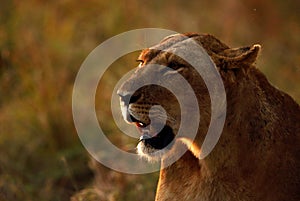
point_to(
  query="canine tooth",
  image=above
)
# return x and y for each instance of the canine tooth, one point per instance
(144, 137)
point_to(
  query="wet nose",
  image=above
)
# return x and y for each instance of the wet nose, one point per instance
(125, 98)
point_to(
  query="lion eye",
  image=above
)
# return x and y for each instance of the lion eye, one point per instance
(175, 65)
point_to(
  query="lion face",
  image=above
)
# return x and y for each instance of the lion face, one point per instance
(154, 109)
(147, 107)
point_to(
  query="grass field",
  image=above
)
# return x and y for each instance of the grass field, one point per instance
(43, 44)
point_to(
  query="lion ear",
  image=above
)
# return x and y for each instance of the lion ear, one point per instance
(250, 55)
(234, 57)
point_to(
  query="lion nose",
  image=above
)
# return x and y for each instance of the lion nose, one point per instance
(125, 98)
(128, 98)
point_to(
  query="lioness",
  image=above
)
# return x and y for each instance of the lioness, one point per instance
(258, 154)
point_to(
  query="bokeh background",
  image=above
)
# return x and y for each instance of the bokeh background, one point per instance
(43, 44)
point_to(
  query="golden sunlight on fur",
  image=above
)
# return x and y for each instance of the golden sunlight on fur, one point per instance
(258, 155)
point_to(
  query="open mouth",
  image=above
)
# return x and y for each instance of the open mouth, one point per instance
(156, 140)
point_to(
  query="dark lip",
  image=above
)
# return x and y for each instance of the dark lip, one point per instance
(160, 140)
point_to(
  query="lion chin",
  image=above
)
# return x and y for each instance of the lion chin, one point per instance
(149, 153)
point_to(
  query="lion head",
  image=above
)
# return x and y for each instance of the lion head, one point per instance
(155, 110)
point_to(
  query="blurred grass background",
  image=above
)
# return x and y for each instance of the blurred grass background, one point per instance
(42, 45)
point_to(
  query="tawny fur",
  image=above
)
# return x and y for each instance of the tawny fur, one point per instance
(258, 155)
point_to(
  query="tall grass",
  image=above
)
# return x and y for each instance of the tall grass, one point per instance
(42, 45)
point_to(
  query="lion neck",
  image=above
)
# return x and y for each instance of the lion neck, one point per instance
(238, 137)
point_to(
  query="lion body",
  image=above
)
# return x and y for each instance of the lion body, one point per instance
(256, 158)
(258, 154)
